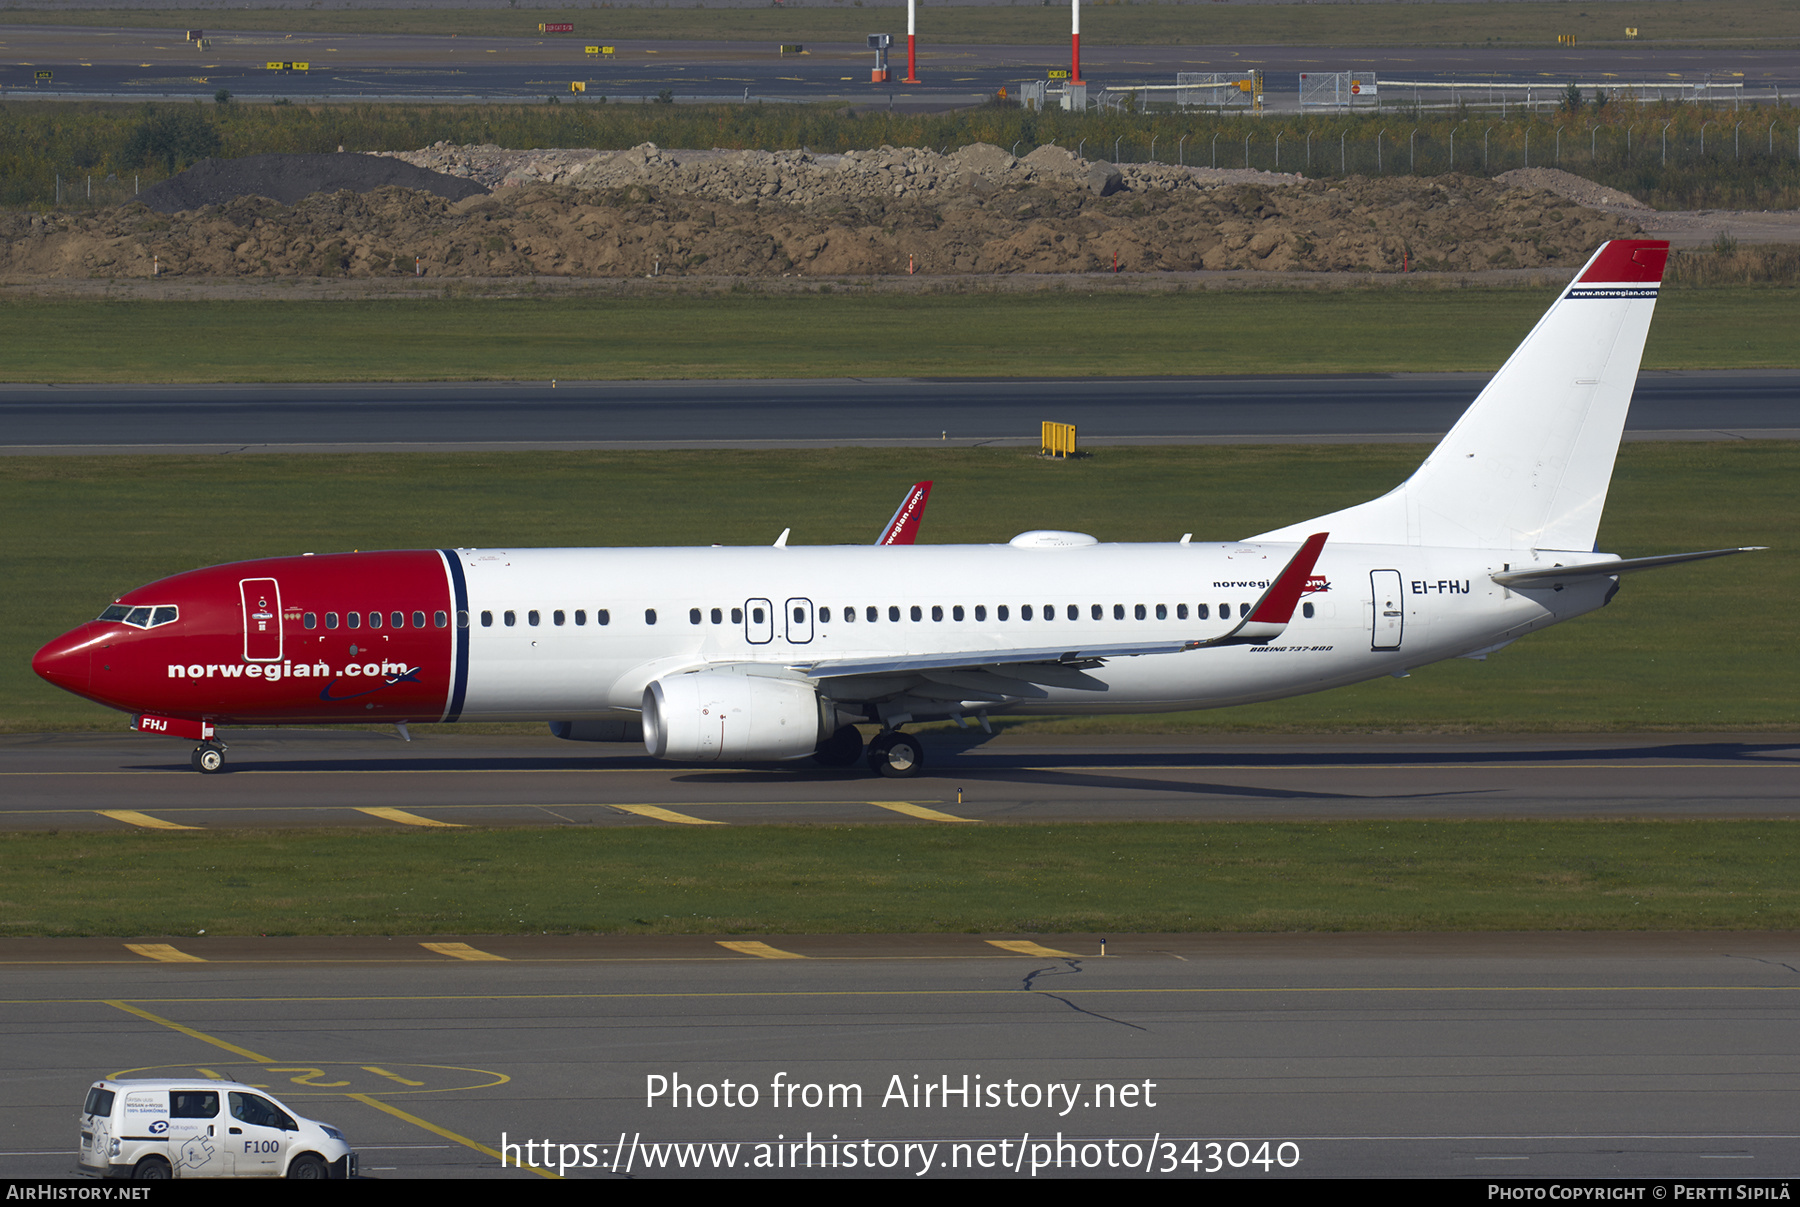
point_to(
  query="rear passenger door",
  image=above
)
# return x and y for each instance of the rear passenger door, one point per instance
(196, 1149)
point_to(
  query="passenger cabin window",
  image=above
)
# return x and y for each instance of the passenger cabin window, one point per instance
(1098, 612)
(850, 615)
(310, 620)
(531, 618)
(893, 612)
(1306, 610)
(331, 620)
(956, 613)
(510, 617)
(649, 615)
(353, 620)
(693, 615)
(1001, 614)
(1138, 611)
(717, 616)
(1180, 611)
(559, 617)
(193, 1104)
(916, 613)
(398, 619)
(1243, 611)
(737, 616)
(580, 616)
(1118, 611)
(937, 612)
(1202, 612)
(1162, 611)
(375, 620)
(487, 620)
(1025, 612)
(462, 618)
(602, 616)
(980, 611)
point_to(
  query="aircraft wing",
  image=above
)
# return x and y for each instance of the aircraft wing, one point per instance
(903, 529)
(1265, 622)
(1546, 576)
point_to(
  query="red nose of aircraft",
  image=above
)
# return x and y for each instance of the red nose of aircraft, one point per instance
(68, 661)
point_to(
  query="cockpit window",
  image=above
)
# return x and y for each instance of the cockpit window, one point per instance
(143, 616)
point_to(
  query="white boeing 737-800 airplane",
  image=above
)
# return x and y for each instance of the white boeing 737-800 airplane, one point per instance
(747, 654)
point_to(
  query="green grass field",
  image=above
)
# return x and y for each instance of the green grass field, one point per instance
(1659, 22)
(1394, 876)
(1067, 333)
(1710, 646)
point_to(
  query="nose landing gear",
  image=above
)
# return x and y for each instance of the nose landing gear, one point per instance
(208, 758)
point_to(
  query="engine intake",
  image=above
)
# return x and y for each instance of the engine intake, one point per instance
(711, 715)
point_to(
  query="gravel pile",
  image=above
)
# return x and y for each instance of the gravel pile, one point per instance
(1575, 188)
(805, 179)
(289, 178)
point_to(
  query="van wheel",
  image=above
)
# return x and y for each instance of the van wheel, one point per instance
(208, 757)
(307, 1168)
(151, 1169)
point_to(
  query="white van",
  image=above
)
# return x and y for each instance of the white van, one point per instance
(203, 1129)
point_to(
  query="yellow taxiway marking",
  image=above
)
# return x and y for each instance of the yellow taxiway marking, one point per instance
(1026, 947)
(204, 1038)
(365, 1099)
(447, 1134)
(162, 952)
(661, 814)
(134, 818)
(387, 813)
(920, 811)
(461, 951)
(750, 947)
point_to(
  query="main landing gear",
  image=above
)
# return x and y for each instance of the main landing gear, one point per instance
(841, 749)
(208, 758)
(891, 753)
(896, 755)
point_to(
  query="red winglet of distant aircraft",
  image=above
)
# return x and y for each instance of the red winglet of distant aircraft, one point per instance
(903, 529)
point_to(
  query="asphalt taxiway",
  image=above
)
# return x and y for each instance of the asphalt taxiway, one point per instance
(1487, 1056)
(305, 779)
(90, 62)
(472, 416)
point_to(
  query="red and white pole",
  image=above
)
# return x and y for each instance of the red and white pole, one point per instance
(1074, 41)
(912, 47)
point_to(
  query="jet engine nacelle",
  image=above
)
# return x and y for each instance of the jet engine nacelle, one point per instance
(725, 714)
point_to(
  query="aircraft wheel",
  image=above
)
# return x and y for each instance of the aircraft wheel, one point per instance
(896, 755)
(841, 749)
(208, 758)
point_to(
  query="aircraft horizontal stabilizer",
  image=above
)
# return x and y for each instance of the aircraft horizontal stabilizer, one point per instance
(1557, 574)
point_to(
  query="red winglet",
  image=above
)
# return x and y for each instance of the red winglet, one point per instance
(903, 529)
(1278, 602)
(1628, 261)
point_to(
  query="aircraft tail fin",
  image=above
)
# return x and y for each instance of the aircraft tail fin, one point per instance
(1528, 464)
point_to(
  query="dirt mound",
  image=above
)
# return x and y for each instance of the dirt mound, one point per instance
(289, 178)
(979, 210)
(1576, 188)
